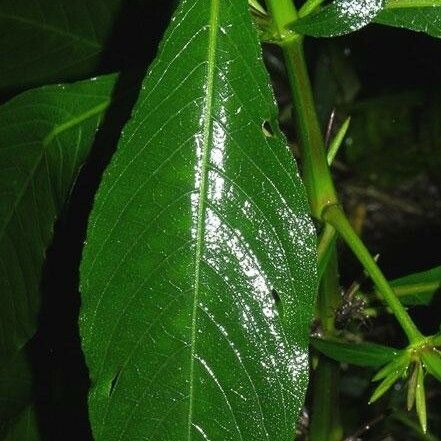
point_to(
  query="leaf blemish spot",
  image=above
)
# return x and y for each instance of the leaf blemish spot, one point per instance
(267, 129)
(277, 301)
(114, 382)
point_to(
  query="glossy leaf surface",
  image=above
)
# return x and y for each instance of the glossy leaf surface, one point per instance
(417, 15)
(360, 354)
(49, 40)
(418, 288)
(339, 18)
(199, 273)
(45, 136)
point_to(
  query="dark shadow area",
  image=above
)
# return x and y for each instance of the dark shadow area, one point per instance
(60, 374)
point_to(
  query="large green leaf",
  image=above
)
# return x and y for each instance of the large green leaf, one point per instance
(339, 18)
(418, 288)
(45, 136)
(199, 272)
(417, 15)
(47, 40)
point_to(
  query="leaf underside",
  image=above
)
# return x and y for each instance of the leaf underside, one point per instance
(199, 273)
(45, 136)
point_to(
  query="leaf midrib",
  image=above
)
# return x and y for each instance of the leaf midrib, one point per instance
(57, 130)
(200, 229)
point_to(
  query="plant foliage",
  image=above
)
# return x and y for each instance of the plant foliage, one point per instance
(203, 272)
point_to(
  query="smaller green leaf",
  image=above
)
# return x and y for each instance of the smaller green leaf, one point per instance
(411, 388)
(337, 141)
(399, 364)
(309, 6)
(432, 362)
(359, 354)
(420, 398)
(416, 15)
(418, 288)
(339, 18)
(256, 6)
(387, 383)
(412, 426)
(46, 135)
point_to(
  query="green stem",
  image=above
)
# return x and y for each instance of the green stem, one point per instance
(325, 415)
(329, 298)
(325, 418)
(316, 174)
(335, 216)
(326, 243)
(283, 12)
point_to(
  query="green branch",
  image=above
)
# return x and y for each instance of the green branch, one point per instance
(316, 174)
(334, 215)
(326, 243)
